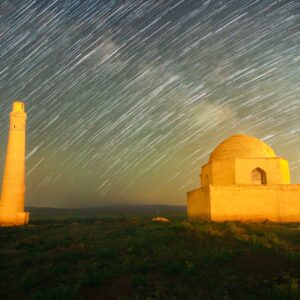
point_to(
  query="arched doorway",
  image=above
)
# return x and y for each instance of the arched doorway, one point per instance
(259, 176)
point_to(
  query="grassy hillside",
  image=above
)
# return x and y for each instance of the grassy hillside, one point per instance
(135, 258)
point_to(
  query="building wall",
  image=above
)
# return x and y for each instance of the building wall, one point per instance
(218, 172)
(278, 203)
(198, 204)
(206, 175)
(285, 171)
(223, 172)
(239, 171)
(277, 170)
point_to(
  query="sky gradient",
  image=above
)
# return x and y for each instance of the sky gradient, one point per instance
(126, 99)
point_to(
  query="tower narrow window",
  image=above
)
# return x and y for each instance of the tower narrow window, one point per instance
(259, 176)
(206, 180)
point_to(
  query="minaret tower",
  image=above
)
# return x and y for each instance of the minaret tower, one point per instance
(13, 185)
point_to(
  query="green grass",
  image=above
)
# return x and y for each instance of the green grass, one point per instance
(135, 258)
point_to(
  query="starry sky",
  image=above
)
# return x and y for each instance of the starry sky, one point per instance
(126, 99)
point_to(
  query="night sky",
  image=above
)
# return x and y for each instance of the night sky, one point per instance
(126, 99)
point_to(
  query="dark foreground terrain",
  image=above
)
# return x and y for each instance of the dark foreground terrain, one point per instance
(136, 258)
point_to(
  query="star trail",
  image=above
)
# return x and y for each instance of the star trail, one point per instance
(126, 99)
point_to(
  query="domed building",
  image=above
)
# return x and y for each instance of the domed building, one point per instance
(245, 180)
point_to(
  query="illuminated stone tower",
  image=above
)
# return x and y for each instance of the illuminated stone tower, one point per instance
(13, 186)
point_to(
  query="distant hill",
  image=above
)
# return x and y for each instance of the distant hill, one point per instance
(115, 210)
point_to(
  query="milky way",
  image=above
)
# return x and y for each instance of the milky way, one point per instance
(126, 99)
